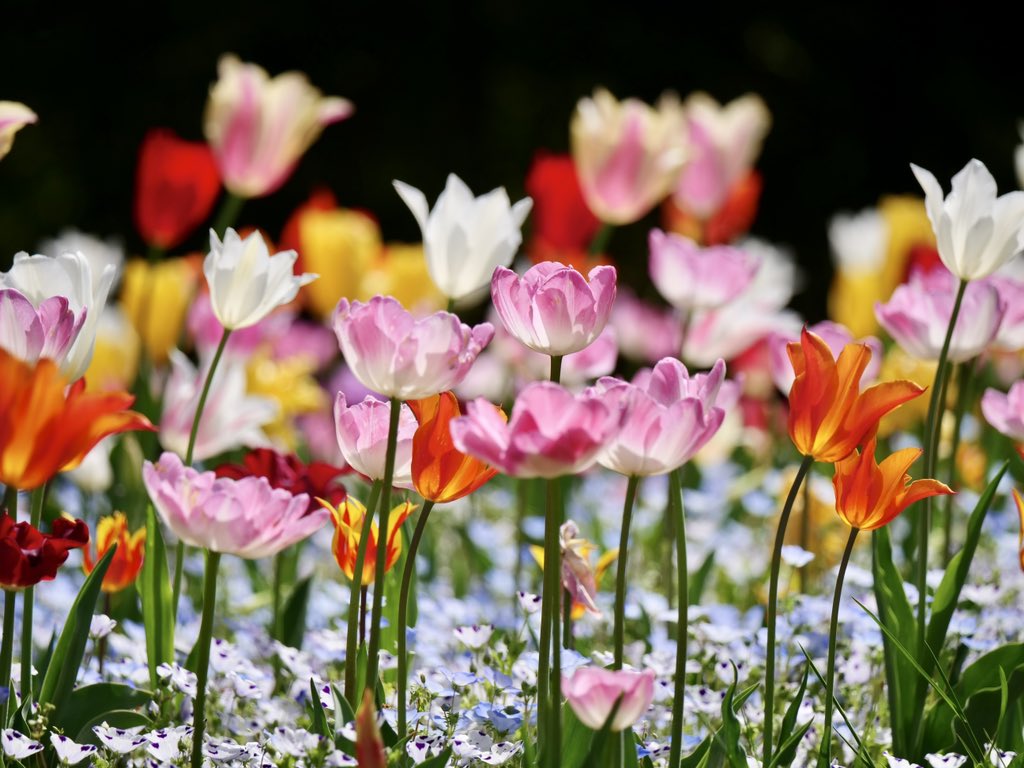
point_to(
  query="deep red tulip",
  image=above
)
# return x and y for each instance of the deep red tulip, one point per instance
(287, 472)
(28, 556)
(562, 223)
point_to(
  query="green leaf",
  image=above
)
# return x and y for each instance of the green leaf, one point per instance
(118, 718)
(62, 670)
(786, 752)
(697, 757)
(576, 740)
(343, 715)
(699, 579)
(294, 615)
(317, 714)
(438, 761)
(83, 704)
(727, 739)
(43, 663)
(154, 587)
(629, 758)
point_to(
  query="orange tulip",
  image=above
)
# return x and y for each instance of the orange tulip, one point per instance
(870, 495)
(439, 471)
(1020, 511)
(127, 560)
(45, 429)
(828, 414)
(348, 525)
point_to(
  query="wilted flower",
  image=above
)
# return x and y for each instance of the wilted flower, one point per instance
(348, 526)
(592, 693)
(13, 117)
(976, 231)
(259, 127)
(466, 237)
(127, 560)
(579, 577)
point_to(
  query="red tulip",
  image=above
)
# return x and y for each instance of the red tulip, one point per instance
(562, 222)
(287, 472)
(28, 556)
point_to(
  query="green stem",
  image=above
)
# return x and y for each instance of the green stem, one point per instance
(450, 307)
(675, 494)
(600, 241)
(7, 653)
(11, 502)
(567, 641)
(665, 552)
(805, 537)
(372, 661)
(28, 603)
(353, 635)
(825, 755)
(556, 368)
(963, 396)
(203, 655)
(228, 213)
(522, 501)
(403, 613)
(619, 631)
(550, 603)
(773, 600)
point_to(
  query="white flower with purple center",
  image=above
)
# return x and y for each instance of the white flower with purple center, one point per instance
(180, 678)
(164, 744)
(500, 753)
(949, 760)
(475, 636)
(68, 752)
(100, 626)
(296, 743)
(120, 740)
(530, 603)
(17, 745)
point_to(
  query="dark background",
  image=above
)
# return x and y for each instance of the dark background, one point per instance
(857, 91)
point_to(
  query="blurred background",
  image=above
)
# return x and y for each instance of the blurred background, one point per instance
(857, 91)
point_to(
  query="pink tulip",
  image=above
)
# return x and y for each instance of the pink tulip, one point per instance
(579, 368)
(593, 691)
(362, 431)
(646, 333)
(397, 355)
(836, 336)
(551, 432)
(552, 308)
(243, 517)
(1005, 412)
(258, 127)
(667, 417)
(1010, 337)
(918, 314)
(31, 334)
(690, 277)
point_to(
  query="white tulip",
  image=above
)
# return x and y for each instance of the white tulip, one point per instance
(246, 282)
(976, 231)
(465, 238)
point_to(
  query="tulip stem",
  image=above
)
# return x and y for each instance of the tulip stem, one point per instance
(203, 655)
(28, 603)
(11, 502)
(618, 632)
(773, 600)
(675, 498)
(403, 613)
(228, 212)
(353, 636)
(601, 238)
(7, 652)
(382, 548)
(179, 560)
(550, 672)
(567, 641)
(556, 368)
(825, 754)
(963, 394)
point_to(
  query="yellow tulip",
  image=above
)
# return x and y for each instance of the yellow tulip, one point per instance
(155, 297)
(341, 246)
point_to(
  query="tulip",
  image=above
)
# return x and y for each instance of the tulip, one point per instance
(552, 308)
(69, 275)
(918, 314)
(402, 357)
(692, 278)
(291, 385)
(976, 231)
(13, 117)
(646, 333)
(828, 414)
(28, 556)
(48, 427)
(627, 154)
(348, 524)
(155, 297)
(287, 472)
(1005, 412)
(833, 334)
(246, 282)
(176, 186)
(258, 127)
(115, 359)
(127, 561)
(1019, 501)
(245, 517)
(592, 693)
(362, 431)
(551, 432)
(1010, 336)
(724, 142)
(1018, 156)
(30, 334)
(563, 226)
(370, 752)
(466, 237)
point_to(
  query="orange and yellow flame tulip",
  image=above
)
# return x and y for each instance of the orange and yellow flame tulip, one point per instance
(47, 427)
(439, 471)
(127, 560)
(1020, 511)
(870, 495)
(828, 414)
(348, 525)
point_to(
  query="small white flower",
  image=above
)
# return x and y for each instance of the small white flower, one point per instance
(296, 743)
(530, 603)
(223, 750)
(500, 753)
(976, 231)
(464, 237)
(180, 678)
(100, 626)
(68, 752)
(164, 745)
(246, 282)
(475, 636)
(120, 740)
(17, 745)
(338, 759)
(795, 556)
(949, 760)
(898, 762)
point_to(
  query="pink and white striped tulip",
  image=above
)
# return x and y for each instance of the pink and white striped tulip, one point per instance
(552, 308)
(690, 277)
(362, 432)
(13, 117)
(397, 355)
(258, 127)
(593, 691)
(31, 333)
(667, 416)
(243, 517)
(918, 314)
(551, 432)
(836, 336)
(627, 154)
(1005, 412)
